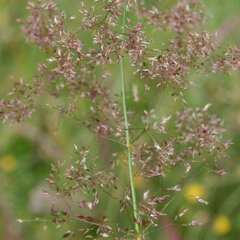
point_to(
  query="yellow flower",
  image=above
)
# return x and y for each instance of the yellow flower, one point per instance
(139, 181)
(194, 191)
(8, 163)
(221, 225)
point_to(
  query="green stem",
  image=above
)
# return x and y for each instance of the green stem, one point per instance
(127, 136)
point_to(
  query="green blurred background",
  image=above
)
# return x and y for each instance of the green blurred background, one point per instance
(27, 150)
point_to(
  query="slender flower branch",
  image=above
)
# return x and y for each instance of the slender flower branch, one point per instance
(127, 135)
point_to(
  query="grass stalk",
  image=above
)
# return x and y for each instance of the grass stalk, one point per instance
(127, 136)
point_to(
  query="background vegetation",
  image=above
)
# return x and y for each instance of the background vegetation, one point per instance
(27, 150)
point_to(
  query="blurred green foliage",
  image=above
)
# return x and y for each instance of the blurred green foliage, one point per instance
(27, 151)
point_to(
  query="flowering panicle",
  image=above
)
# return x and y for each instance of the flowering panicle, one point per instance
(172, 66)
(80, 72)
(181, 18)
(45, 25)
(197, 134)
(229, 62)
(136, 43)
(19, 103)
(200, 130)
